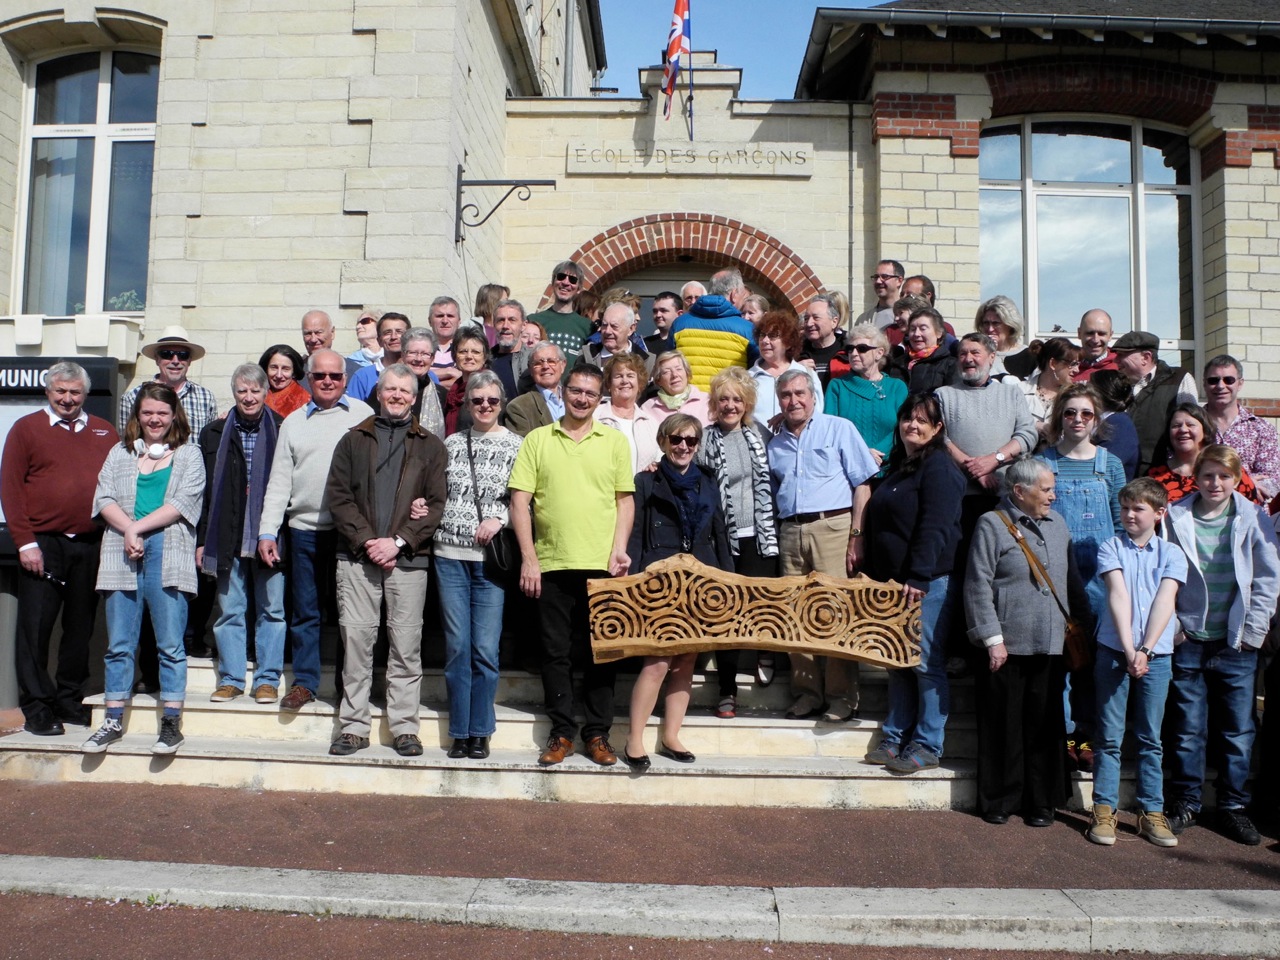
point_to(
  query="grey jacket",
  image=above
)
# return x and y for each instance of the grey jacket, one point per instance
(1257, 573)
(118, 484)
(1001, 598)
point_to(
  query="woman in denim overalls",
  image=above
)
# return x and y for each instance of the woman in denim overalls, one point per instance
(1089, 479)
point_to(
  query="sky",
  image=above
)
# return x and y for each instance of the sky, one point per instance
(767, 38)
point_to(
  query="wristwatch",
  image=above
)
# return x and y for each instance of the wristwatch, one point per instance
(1146, 652)
(400, 543)
(1000, 457)
(854, 533)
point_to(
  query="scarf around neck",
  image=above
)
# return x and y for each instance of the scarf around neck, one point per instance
(263, 453)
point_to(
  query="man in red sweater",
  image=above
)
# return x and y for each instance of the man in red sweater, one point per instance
(47, 480)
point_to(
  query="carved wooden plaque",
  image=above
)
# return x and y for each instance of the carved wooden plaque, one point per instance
(679, 605)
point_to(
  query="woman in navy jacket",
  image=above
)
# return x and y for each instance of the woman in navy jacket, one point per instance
(677, 508)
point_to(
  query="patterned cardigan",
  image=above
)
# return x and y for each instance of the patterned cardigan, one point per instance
(118, 484)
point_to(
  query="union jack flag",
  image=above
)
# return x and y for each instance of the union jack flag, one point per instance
(677, 52)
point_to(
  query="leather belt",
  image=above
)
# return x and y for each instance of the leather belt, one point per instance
(820, 515)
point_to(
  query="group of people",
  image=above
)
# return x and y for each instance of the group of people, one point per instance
(1010, 489)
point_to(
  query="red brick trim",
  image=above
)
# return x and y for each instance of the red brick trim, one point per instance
(662, 238)
(1263, 408)
(924, 115)
(1235, 148)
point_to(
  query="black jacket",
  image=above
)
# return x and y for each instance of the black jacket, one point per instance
(231, 518)
(939, 369)
(655, 535)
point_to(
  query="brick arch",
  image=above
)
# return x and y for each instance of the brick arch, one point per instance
(1169, 93)
(669, 237)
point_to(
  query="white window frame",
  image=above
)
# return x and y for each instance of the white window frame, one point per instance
(105, 135)
(1030, 190)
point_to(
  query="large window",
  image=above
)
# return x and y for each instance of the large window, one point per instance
(1079, 214)
(88, 200)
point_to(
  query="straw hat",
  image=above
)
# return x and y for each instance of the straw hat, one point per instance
(173, 336)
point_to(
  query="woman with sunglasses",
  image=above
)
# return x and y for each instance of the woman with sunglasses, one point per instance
(677, 510)
(369, 350)
(475, 511)
(865, 396)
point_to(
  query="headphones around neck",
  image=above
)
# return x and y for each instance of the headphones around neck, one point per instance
(156, 451)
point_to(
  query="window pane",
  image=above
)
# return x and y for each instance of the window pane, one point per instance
(1083, 261)
(67, 89)
(1000, 154)
(128, 227)
(1081, 153)
(1169, 313)
(1166, 158)
(135, 80)
(1000, 243)
(58, 226)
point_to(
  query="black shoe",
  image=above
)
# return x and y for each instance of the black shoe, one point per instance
(1236, 826)
(638, 764)
(78, 715)
(196, 648)
(1038, 817)
(146, 686)
(997, 818)
(345, 744)
(679, 756)
(478, 748)
(45, 726)
(170, 736)
(407, 745)
(1180, 816)
(461, 747)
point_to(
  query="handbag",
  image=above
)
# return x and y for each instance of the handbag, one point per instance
(501, 553)
(1077, 643)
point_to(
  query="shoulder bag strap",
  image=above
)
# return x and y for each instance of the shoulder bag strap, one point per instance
(1038, 571)
(475, 488)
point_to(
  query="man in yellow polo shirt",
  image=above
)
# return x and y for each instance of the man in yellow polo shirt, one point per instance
(576, 476)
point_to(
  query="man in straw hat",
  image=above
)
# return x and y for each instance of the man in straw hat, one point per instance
(173, 354)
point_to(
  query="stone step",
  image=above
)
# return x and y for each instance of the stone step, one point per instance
(525, 728)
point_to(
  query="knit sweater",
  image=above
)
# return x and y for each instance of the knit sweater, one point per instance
(304, 453)
(980, 420)
(49, 476)
(495, 455)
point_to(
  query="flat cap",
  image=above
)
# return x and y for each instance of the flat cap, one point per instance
(1137, 340)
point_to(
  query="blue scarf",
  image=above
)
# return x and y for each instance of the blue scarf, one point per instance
(263, 453)
(687, 488)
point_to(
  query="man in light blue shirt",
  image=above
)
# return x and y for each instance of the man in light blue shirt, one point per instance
(820, 467)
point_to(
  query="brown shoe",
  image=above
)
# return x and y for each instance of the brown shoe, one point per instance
(224, 693)
(265, 693)
(599, 751)
(297, 698)
(557, 749)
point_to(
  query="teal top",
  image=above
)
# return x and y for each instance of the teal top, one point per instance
(872, 407)
(1213, 550)
(151, 491)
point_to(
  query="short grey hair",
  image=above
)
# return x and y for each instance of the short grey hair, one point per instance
(1023, 472)
(869, 331)
(66, 370)
(833, 305)
(251, 372)
(982, 340)
(311, 360)
(790, 375)
(398, 370)
(440, 302)
(485, 378)
(630, 316)
(1224, 360)
(724, 282)
(546, 345)
(664, 358)
(511, 303)
(414, 334)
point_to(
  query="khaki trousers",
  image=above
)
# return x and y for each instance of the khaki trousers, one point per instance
(819, 547)
(361, 588)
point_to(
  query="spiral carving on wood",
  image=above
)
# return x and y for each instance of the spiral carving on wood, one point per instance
(679, 605)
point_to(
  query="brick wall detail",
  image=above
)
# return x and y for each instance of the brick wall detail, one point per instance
(721, 241)
(924, 115)
(1235, 148)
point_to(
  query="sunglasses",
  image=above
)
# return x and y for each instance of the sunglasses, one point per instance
(865, 347)
(174, 354)
(322, 375)
(365, 321)
(1214, 381)
(566, 278)
(683, 441)
(485, 401)
(1074, 414)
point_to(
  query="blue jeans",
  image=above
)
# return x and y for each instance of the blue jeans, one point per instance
(921, 696)
(1203, 672)
(1118, 694)
(167, 607)
(471, 613)
(248, 581)
(311, 568)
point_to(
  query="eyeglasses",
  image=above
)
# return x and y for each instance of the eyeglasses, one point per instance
(865, 347)
(689, 442)
(485, 401)
(544, 363)
(174, 354)
(1074, 414)
(320, 375)
(1214, 381)
(364, 321)
(566, 278)
(885, 277)
(583, 392)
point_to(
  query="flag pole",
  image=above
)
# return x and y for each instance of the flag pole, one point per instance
(690, 13)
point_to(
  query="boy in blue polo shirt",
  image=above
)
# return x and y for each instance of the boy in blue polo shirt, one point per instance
(1142, 573)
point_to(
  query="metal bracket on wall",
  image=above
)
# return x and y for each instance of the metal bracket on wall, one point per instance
(464, 213)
